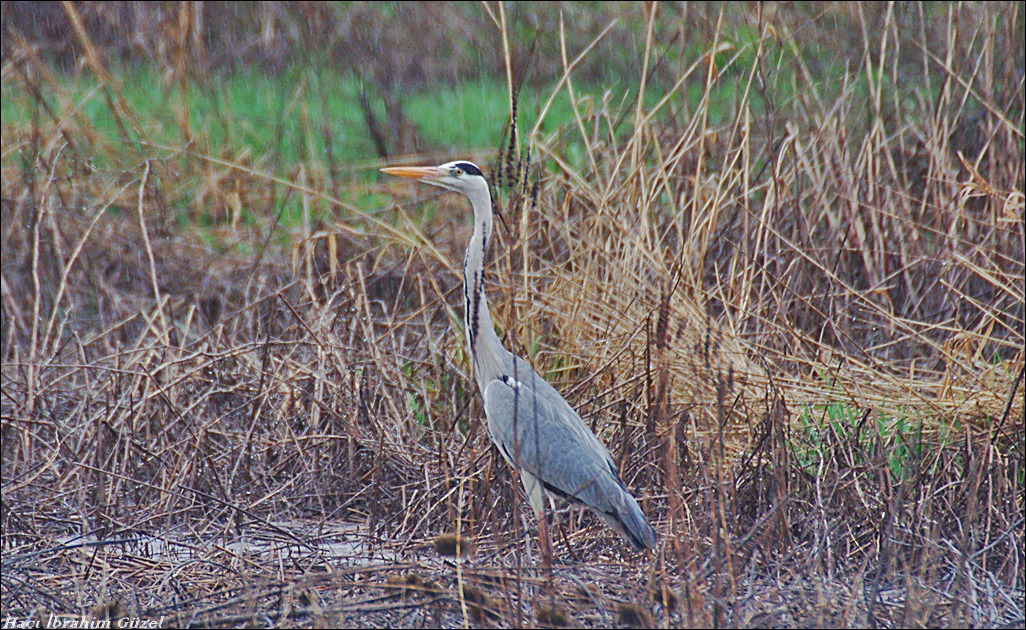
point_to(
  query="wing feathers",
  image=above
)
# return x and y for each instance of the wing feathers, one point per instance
(537, 431)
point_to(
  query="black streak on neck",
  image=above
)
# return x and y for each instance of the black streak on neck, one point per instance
(473, 288)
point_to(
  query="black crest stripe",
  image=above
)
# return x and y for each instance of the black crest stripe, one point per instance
(469, 169)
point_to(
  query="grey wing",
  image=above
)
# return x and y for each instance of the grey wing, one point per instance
(538, 432)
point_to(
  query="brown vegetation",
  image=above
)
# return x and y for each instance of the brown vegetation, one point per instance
(799, 330)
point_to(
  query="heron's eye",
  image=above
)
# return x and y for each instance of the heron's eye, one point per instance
(456, 171)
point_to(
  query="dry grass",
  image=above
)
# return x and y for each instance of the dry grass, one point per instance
(800, 331)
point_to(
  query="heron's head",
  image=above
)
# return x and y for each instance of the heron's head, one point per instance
(459, 176)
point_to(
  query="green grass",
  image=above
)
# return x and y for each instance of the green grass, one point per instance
(897, 438)
(280, 119)
(277, 118)
(273, 122)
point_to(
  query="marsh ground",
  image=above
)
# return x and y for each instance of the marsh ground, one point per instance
(773, 254)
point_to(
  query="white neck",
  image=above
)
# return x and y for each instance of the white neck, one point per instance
(485, 348)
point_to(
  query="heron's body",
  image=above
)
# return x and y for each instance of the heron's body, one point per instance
(532, 425)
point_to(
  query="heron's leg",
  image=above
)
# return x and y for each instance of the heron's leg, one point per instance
(536, 495)
(544, 541)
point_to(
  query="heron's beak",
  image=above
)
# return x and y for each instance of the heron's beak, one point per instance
(426, 174)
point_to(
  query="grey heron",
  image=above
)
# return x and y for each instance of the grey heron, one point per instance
(538, 433)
